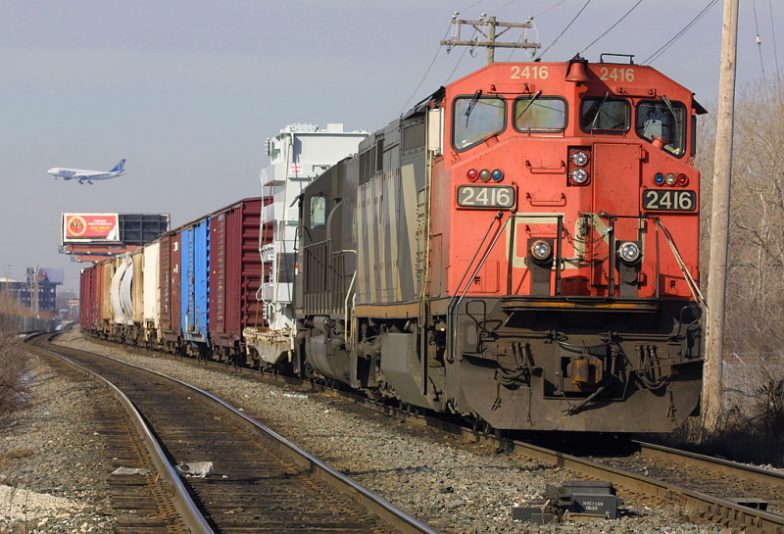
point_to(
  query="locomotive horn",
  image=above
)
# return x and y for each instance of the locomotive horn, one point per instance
(576, 70)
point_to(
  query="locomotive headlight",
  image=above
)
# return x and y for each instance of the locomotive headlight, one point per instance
(658, 179)
(671, 179)
(472, 174)
(579, 176)
(541, 250)
(629, 251)
(580, 158)
(497, 175)
(484, 175)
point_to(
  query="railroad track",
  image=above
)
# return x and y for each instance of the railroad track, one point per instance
(705, 488)
(259, 481)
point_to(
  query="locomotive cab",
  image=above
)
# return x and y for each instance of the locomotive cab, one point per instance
(574, 281)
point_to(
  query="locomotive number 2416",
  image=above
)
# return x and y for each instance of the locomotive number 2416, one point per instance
(535, 72)
(669, 200)
(484, 196)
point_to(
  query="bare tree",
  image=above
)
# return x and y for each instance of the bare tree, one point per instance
(755, 278)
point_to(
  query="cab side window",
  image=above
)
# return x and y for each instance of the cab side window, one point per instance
(539, 114)
(668, 123)
(475, 119)
(605, 116)
(318, 212)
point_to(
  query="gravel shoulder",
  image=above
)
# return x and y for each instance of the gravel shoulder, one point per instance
(440, 479)
(52, 464)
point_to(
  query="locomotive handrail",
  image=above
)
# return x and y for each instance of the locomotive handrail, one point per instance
(546, 170)
(693, 287)
(346, 333)
(452, 306)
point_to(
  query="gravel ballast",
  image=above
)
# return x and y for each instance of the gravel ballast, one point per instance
(440, 479)
(52, 464)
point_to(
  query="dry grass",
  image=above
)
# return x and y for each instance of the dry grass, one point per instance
(11, 368)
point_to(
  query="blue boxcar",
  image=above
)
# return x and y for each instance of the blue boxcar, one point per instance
(195, 267)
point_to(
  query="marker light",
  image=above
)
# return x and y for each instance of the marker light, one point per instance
(579, 176)
(683, 180)
(484, 175)
(658, 179)
(541, 250)
(497, 175)
(580, 158)
(671, 179)
(472, 174)
(629, 252)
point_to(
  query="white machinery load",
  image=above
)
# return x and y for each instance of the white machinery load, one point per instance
(115, 294)
(298, 154)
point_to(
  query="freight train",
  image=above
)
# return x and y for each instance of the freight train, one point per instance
(520, 248)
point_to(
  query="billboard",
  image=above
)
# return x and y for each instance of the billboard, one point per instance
(91, 228)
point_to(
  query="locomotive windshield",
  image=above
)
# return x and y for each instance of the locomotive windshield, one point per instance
(539, 113)
(665, 120)
(605, 115)
(476, 119)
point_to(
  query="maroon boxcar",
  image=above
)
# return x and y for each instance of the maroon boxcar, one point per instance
(170, 286)
(88, 299)
(235, 273)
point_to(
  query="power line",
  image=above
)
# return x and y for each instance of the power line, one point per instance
(449, 78)
(523, 37)
(504, 6)
(758, 38)
(653, 57)
(566, 28)
(549, 8)
(473, 5)
(612, 27)
(429, 67)
(773, 32)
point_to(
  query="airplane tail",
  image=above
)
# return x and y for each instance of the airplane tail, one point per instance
(119, 167)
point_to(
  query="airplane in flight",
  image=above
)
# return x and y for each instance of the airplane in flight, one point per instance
(88, 176)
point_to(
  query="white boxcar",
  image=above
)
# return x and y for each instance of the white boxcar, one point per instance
(152, 291)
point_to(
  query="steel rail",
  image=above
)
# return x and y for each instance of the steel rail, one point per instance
(376, 504)
(188, 510)
(696, 503)
(689, 458)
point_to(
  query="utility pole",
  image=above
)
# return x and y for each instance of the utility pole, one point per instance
(720, 222)
(488, 28)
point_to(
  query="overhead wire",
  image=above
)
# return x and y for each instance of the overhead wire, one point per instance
(773, 33)
(504, 6)
(435, 56)
(565, 29)
(429, 67)
(549, 8)
(758, 39)
(459, 60)
(611, 28)
(523, 37)
(662, 49)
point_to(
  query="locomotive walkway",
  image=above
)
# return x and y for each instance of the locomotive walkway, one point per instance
(251, 478)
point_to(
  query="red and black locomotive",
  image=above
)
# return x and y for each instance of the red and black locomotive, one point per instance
(521, 247)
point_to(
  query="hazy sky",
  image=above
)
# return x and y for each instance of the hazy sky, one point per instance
(187, 90)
